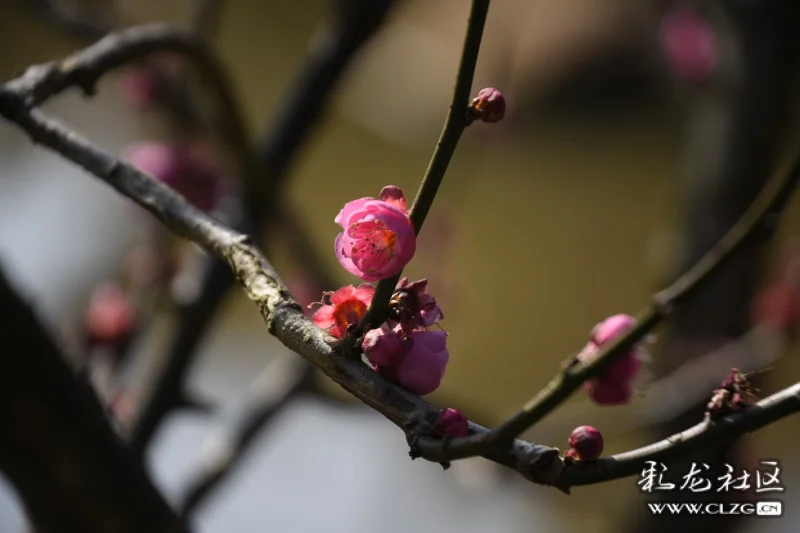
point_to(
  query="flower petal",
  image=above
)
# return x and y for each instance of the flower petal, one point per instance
(342, 254)
(343, 294)
(323, 317)
(365, 292)
(350, 208)
(421, 370)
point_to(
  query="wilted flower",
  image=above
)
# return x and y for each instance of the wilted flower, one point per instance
(378, 238)
(181, 167)
(451, 423)
(347, 306)
(585, 444)
(110, 317)
(489, 105)
(412, 306)
(734, 395)
(616, 384)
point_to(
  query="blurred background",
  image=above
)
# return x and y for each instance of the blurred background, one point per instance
(619, 145)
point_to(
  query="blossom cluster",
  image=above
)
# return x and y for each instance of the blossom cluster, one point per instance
(376, 242)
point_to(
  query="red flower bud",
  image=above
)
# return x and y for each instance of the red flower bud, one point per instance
(489, 105)
(586, 444)
(451, 423)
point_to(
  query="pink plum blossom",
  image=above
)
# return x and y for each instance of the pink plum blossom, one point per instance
(180, 166)
(348, 306)
(689, 45)
(451, 423)
(378, 238)
(424, 361)
(617, 383)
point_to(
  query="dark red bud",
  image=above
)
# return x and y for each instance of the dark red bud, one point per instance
(451, 423)
(587, 443)
(489, 105)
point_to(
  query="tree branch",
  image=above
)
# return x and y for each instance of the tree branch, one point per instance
(71, 470)
(765, 412)
(263, 172)
(283, 316)
(285, 319)
(756, 225)
(454, 125)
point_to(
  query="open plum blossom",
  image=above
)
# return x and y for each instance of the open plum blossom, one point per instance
(180, 166)
(378, 238)
(617, 383)
(347, 306)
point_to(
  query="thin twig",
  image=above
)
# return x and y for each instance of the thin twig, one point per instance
(631, 463)
(263, 171)
(454, 126)
(92, 25)
(756, 225)
(58, 449)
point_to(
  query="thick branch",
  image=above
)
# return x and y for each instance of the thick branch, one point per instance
(72, 472)
(83, 69)
(264, 171)
(767, 411)
(445, 148)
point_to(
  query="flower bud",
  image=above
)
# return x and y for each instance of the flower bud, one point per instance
(451, 422)
(424, 361)
(383, 346)
(586, 444)
(489, 105)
